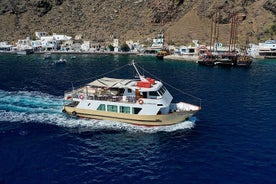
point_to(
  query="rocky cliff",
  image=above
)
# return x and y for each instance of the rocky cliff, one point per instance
(100, 21)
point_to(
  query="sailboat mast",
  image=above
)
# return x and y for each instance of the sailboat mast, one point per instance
(211, 41)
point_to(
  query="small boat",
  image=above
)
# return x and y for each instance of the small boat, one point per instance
(162, 53)
(143, 101)
(148, 52)
(25, 52)
(61, 61)
(207, 59)
(244, 60)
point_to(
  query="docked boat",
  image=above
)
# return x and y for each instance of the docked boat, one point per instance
(221, 55)
(25, 52)
(207, 59)
(149, 52)
(143, 101)
(243, 60)
(224, 59)
(162, 53)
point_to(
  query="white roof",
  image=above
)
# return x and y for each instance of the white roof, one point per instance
(110, 82)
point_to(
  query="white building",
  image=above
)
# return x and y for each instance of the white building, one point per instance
(263, 50)
(116, 45)
(158, 42)
(40, 34)
(134, 46)
(24, 44)
(55, 42)
(4, 46)
(85, 46)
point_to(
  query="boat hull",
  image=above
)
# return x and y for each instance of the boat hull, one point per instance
(182, 57)
(143, 120)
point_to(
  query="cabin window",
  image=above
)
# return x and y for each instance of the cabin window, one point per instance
(162, 90)
(124, 109)
(129, 90)
(145, 95)
(191, 50)
(136, 110)
(112, 108)
(153, 93)
(101, 107)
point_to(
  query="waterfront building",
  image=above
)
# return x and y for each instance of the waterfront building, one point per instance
(263, 50)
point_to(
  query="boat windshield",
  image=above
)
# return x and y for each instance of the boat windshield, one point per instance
(162, 90)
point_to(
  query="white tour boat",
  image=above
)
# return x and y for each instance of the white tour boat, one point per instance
(143, 101)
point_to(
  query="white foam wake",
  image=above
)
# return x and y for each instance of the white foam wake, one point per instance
(25, 107)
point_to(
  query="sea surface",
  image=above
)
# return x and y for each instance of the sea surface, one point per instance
(231, 140)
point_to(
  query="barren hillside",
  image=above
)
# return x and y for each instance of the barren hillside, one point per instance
(100, 21)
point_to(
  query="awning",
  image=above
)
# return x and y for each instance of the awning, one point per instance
(110, 82)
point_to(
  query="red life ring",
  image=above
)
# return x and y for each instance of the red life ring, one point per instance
(140, 101)
(81, 96)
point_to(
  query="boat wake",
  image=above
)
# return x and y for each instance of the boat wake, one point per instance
(37, 107)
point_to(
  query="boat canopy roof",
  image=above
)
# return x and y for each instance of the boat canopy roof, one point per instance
(110, 82)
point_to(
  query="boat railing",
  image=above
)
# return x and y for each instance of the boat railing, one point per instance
(81, 93)
(112, 98)
(128, 99)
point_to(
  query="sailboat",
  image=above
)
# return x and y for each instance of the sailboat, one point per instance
(217, 55)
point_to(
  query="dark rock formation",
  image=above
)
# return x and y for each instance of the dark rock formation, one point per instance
(271, 6)
(100, 21)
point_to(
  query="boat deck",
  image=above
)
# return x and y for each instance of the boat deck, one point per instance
(102, 94)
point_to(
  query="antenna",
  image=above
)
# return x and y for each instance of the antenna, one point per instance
(142, 78)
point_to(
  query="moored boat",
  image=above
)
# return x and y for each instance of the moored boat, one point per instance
(162, 53)
(225, 56)
(25, 52)
(244, 60)
(224, 59)
(143, 101)
(61, 61)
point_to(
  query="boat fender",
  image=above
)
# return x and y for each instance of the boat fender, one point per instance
(140, 101)
(81, 96)
(74, 113)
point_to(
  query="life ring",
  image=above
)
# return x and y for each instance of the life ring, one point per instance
(81, 96)
(140, 101)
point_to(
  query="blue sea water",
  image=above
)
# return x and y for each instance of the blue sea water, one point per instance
(231, 140)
